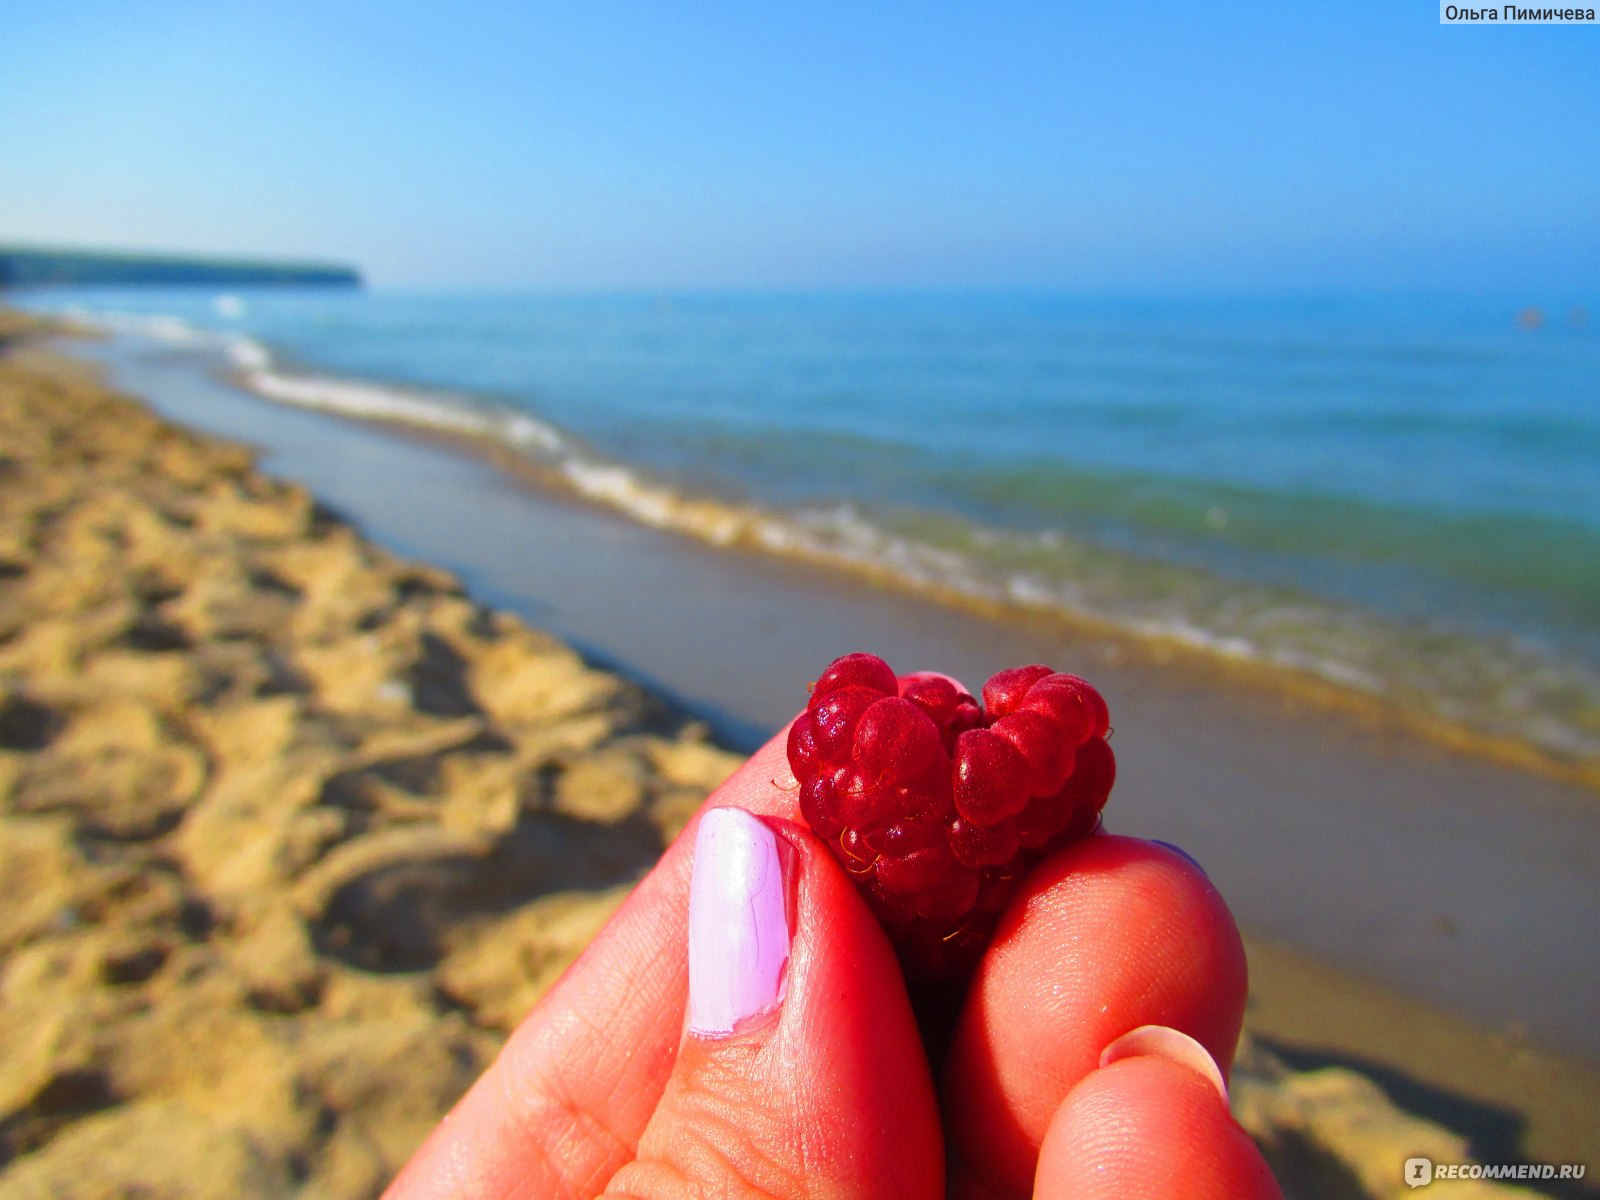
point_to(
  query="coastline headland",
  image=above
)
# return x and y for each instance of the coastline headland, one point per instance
(39, 266)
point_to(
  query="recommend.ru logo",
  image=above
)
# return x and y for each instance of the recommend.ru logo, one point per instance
(1419, 1172)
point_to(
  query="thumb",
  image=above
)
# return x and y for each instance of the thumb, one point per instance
(1152, 1121)
(800, 1072)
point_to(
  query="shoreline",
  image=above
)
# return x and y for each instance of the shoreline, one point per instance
(552, 460)
(707, 522)
(1475, 1063)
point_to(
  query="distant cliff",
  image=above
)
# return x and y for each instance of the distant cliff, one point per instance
(22, 266)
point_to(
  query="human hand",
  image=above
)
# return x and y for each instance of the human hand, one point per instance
(827, 1090)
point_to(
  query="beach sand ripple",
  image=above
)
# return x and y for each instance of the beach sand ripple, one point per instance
(294, 831)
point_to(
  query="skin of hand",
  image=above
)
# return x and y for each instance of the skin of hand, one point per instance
(1087, 1061)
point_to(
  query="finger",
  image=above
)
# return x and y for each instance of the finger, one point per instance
(802, 1077)
(1110, 934)
(1152, 1123)
(563, 1105)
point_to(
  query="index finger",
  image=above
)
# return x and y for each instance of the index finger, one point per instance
(562, 1107)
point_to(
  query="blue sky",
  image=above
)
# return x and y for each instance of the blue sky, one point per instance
(598, 145)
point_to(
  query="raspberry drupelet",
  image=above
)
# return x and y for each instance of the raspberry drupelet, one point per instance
(937, 805)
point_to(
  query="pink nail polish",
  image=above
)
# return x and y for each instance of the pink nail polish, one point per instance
(738, 922)
(1165, 1042)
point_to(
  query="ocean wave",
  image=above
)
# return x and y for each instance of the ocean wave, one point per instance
(370, 401)
(248, 354)
(452, 413)
(252, 365)
(655, 504)
(170, 330)
(242, 351)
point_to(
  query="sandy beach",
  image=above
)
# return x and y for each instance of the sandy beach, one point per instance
(297, 824)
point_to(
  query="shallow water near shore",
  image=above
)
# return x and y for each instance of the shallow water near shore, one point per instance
(1462, 882)
(1394, 496)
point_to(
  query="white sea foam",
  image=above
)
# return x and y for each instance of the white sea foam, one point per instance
(248, 354)
(367, 400)
(174, 331)
(254, 363)
(620, 488)
(1031, 591)
(379, 402)
(1334, 670)
(521, 430)
(654, 504)
(1188, 633)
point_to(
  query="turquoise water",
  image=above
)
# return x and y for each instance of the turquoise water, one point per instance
(1401, 495)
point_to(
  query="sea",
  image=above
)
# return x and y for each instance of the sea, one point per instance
(1395, 495)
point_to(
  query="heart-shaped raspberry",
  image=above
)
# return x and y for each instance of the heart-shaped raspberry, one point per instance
(936, 806)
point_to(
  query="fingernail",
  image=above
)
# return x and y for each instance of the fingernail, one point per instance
(1163, 1041)
(1183, 854)
(738, 923)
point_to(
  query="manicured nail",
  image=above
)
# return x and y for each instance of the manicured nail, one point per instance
(1165, 1042)
(1181, 853)
(738, 923)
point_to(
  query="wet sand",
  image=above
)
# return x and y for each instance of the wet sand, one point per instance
(1393, 868)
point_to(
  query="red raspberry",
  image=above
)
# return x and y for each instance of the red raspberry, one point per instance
(936, 807)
